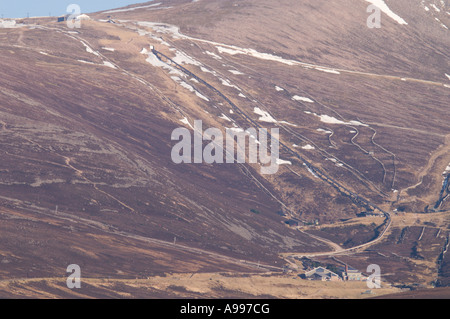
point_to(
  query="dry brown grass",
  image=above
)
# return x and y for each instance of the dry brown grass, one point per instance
(204, 285)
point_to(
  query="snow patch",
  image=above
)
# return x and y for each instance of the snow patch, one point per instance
(325, 131)
(301, 98)
(265, 117)
(177, 75)
(435, 8)
(87, 62)
(183, 58)
(235, 72)
(232, 50)
(186, 121)
(332, 120)
(385, 9)
(153, 60)
(109, 65)
(227, 83)
(310, 170)
(308, 147)
(89, 49)
(215, 56)
(447, 170)
(287, 123)
(224, 117)
(162, 28)
(174, 31)
(190, 88)
(328, 70)
(9, 24)
(283, 162)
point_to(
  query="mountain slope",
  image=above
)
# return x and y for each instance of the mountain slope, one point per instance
(87, 115)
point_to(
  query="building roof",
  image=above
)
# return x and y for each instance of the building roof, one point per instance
(350, 270)
(320, 272)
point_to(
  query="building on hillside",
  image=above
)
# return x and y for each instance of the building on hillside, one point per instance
(321, 274)
(351, 274)
(77, 18)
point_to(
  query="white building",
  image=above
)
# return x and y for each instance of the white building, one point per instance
(321, 274)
